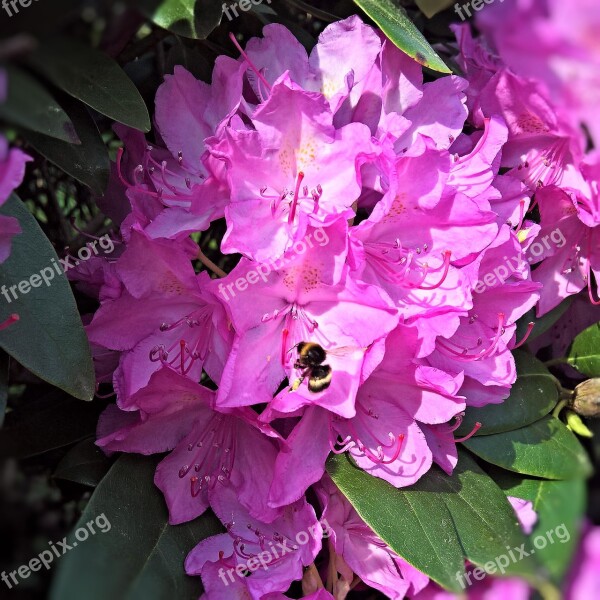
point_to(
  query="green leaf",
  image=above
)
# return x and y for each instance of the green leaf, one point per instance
(92, 77)
(532, 397)
(4, 365)
(584, 353)
(438, 522)
(49, 339)
(141, 556)
(87, 162)
(560, 508)
(51, 421)
(417, 525)
(189, 18)
(543, 324)
(85, 464)
(545, 448)
(30, 106)
(394, 22)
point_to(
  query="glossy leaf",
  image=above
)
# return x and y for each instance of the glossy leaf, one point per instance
(29, 105)
(48, 339)
(141, 556)
(560, 508)
(92, 77)
(584, 353)
(438, 522)
(189, 18)
(545, 448)
(87, 162)
(532, 397)
(415, 524)
(394, 22)
(85, 463)
(54, 420)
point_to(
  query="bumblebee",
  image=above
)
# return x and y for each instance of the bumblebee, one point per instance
(310, 361)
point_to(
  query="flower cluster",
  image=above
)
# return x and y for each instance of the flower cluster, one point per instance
(385, 260)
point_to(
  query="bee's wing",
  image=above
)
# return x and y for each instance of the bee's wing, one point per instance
(344, 350)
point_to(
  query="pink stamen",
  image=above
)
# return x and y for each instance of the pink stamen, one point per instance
(459, 419)
(589, 273)
(250, 63)
(521, 214)
(292, 215)
(447, 254)
(533, 204)
(530, 327)
(11, 319)
(589, 285)
(476, 428)
(136, 186)
(284, 342)
(464, 355)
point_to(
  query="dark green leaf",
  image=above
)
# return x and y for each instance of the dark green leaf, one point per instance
(189, 18)
(49, 339)
(85, 463)
(4, 364)
(416, 524)
(532, 397)
(52, 421)
(438, 522)
(544, 323)
(92, 77)
(30, 106)
(545, 448)
(141, 556)
(87, 162)
(394, 22)
(560, 508)
(584, 354)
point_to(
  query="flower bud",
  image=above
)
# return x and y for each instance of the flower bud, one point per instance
(586, 398)
(577, 426)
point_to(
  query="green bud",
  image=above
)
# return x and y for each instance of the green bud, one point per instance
(577, 426)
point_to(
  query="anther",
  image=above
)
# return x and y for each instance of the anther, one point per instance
(11, 319)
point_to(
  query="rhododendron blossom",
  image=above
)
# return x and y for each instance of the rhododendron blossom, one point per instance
(425, 192)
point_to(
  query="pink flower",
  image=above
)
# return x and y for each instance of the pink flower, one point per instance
(165, 314)
(211, 450)
(12, 171)
(584, 579)
(296, 304)
(553, 43)
(358, 550)
(289, 173)
(271, 555)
